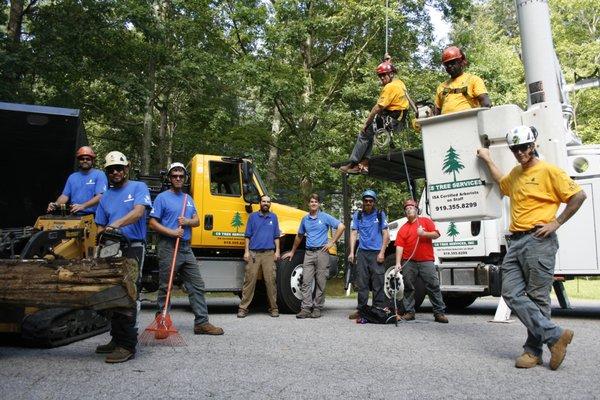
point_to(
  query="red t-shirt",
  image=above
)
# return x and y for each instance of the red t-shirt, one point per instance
(407, 238)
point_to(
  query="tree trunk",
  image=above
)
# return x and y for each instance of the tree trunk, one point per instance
(148, 116)
(164, 153)
(15, 22)
(97, 284)
(273, 150)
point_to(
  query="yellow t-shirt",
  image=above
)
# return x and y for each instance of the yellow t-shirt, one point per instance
(393, 96)
(460, 93)
(536, 193)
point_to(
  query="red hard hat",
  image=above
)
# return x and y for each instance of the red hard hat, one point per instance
(451, 53)
(410, 202)
(385, 67)
(85, 151)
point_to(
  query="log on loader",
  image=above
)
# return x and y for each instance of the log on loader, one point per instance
(50, 287)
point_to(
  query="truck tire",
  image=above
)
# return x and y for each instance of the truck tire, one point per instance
(457, 302)
(289, 280)
(389, 263)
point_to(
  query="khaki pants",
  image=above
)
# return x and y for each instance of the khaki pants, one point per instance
(265, 261)
(314, 268)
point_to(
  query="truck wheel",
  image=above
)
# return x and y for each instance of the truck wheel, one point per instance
(457, 302)
(389, 263)
(289, 282)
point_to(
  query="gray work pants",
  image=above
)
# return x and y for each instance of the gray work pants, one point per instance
(189, 271)
(363, 148)
(527, 276)
(426, 270)
(370, 274)
(314, 268)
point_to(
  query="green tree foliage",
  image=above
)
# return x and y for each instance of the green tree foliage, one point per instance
(288, 82)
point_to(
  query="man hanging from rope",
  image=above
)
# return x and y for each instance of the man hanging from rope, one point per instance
(390, 108)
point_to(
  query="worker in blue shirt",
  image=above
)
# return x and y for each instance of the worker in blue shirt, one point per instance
(84, 187)
(261, 253)
(123, 208)
(315, 226)
(370, 227)
(167, 221)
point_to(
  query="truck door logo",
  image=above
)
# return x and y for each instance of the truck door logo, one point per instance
(452, 231)
(237, 222)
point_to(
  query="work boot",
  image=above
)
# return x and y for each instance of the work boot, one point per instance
(274, 313)
(106, 348)
(119, 355)
(527, 360)
(316, 313)
(440, 318)
(303, 314)
(354, 315)
(242, 313)
(350, 168)
(207, 329)
(409, 316)
(559, 349)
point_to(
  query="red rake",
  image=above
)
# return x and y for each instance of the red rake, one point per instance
(161, 330)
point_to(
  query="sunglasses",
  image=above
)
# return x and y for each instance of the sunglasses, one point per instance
(177, 177)
(519, 147)
(452, 62)
(369, 200)
(114, 168)
(85, 158)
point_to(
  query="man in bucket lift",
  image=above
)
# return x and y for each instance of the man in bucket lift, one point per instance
(536, 189)
(463, 90)
(393, 102)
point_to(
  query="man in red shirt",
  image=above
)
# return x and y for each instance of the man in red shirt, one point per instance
(414, 258)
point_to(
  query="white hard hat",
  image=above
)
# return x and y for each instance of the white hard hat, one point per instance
(520, 135)
(176, 165)
(115, 158)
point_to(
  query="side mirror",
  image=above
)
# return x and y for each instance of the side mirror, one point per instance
(247, 172)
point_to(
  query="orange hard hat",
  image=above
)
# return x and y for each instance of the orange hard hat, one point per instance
(452, 53)
(410, 202)
(85, 151)
(385, 67)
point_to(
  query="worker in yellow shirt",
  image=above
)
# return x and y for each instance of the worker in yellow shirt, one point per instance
(536, 189)
(463, 90)
(393, 103)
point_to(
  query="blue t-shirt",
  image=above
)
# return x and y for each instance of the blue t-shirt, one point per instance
(118, 202)
(369, 229)
(81, 187)
(316, 228)
(262, 231)
(167, 208)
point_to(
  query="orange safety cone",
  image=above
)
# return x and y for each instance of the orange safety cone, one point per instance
(161, 330)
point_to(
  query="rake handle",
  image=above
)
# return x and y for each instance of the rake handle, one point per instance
(172, 270)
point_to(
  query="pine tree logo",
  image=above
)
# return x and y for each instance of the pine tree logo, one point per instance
(452, 163)
(452, 231)
(236, 222)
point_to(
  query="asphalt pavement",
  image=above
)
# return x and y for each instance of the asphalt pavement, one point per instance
(261, 357)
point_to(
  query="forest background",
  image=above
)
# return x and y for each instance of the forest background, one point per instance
(287, 82)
